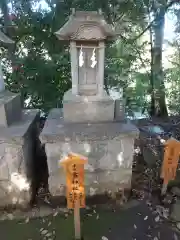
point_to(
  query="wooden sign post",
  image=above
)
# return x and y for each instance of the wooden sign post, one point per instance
(74, 169)
(170, 162)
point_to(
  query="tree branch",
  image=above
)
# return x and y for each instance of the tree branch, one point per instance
(170, 4)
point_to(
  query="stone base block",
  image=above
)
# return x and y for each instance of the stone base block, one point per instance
(16, 149)
(96, 183)
(10, 108)
(108, 146)
(88, 109)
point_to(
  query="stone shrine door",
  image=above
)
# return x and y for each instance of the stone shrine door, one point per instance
(88, 75)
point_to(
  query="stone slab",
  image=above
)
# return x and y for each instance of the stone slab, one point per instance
(16, 145)
(80, 109)
(10, 108)
(89, 111)
(56, 129)
(109, 164)
(18, 130)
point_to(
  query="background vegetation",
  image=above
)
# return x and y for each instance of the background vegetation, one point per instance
(38, 65)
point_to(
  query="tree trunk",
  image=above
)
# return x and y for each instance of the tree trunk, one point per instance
(152, 106)
(157, 70)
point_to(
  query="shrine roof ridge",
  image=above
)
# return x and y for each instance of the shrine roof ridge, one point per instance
(93, 14)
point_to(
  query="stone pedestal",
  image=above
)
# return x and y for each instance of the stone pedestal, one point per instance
(109, 147)
(98, 108)
(10, 108)
(17, 132)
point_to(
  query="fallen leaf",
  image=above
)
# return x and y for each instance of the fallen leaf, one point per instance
(104, 238)
(148, 203)
(55, 214)
(97, 217)
(92, 191)
(157, 219)
(27, 220)
(10, 216)
(46, 200)
(135, 226)
(48, 234)
(33, 213)
(64, 210)
(96, 182)
(165, 213)
(145, 218)
(44, 232)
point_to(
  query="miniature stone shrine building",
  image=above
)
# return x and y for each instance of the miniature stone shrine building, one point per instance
(87, 32)
(90, 122)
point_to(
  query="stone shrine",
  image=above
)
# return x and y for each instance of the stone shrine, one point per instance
(91, 122)
(17, 132)
(86, 33)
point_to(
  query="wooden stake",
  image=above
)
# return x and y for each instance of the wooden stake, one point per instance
(74, 169)
(77, 225)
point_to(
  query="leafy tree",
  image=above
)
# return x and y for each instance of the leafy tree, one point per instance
(39, 66)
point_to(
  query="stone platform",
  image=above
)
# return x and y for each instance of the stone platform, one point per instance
(109, 147)
(16, 149)
(77, 108)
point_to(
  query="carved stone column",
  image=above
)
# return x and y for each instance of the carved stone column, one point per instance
(74, 67)
(101, 68)
(2, 84)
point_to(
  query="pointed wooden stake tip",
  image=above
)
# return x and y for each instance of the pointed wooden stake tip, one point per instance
(171, 142)
(74, 157)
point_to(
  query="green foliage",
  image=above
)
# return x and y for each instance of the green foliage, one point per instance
(172, 76)
(39, 64)
(41, 68)
(173, 93)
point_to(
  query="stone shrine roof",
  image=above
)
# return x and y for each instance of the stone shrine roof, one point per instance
(5, 39)
(86, 25)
